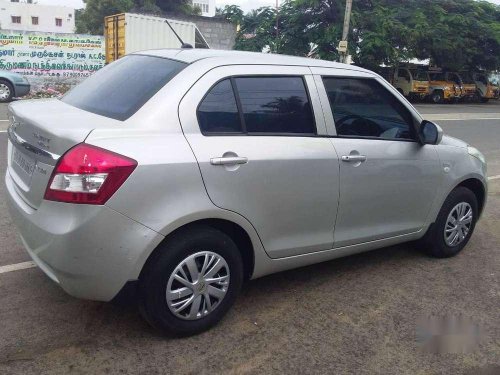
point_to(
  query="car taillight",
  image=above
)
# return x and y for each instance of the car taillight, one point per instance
(89, 175)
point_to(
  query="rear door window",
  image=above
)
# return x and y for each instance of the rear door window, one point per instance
(121, 88)
(218, 112)
(275, 105)
(268, 105)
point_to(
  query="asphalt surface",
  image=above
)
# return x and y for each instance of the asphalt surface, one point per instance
(356, 315)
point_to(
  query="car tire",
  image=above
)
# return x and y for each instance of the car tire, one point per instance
(484, 100)
(437, 96)
(6, 91)
(195, 245)
(440, 244)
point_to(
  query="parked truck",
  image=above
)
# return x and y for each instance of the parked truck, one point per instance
(486, 90)
(445, 86)
(128, 32)
(469, 86)
(412, 82)
(494, 81)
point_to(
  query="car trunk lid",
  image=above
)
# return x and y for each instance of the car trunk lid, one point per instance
(40, 132)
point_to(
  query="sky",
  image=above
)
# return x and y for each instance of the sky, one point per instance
(246, 5)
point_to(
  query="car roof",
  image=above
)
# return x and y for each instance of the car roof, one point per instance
(192, 55)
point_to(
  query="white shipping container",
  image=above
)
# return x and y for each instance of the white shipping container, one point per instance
(147, 32)
(128, 32)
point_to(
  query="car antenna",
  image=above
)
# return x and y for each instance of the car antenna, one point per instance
(183, 45)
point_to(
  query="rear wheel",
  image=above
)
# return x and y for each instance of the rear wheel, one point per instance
(6, 91)
(193, 280)
(454, 225)
(437, 96)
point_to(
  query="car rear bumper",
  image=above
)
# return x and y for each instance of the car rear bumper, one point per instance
(90, 251)
(21, 89)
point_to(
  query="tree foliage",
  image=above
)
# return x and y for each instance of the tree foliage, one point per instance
(451, 33)
(91, 19)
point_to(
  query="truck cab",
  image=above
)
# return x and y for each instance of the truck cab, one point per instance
(444, 86)
(469, 86)
(485, 89)
(411, 82)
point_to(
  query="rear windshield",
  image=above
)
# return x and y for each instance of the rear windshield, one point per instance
(121, 88)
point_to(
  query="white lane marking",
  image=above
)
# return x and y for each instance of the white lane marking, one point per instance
(17, 267)
(494, 177)
(4, 120)
(464, 119)
(466, 114)
(3, 131)
(462, 116)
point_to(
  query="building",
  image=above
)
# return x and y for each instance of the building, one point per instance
(207, 7)
(218, 33)
(26, 16)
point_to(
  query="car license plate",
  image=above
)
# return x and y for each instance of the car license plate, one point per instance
(23, 162)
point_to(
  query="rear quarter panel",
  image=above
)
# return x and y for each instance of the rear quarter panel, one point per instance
(166, 190)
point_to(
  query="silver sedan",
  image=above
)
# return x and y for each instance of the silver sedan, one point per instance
(179, 174)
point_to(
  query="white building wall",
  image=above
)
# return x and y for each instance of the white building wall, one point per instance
(207, 7)
(46, 14)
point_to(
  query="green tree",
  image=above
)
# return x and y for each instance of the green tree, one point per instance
(454, 34)
(175, 6)
(231, 13)
(146, 6)
(91, 19)
(460, 34)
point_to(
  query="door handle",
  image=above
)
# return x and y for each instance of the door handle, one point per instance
(230, 160)
(355, 158)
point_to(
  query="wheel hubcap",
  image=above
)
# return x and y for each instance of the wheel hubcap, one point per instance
(458, 224)
(4, 91)
(197, 285)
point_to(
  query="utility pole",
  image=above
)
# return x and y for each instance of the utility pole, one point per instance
(277, 25)
(345, 32)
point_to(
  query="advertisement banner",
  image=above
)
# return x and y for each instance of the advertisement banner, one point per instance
(49, 60)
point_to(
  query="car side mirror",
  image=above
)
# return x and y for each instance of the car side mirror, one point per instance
(430, 133)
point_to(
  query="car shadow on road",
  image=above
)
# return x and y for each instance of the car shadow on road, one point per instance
(276, 288)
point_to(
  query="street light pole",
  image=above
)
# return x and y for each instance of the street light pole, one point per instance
(345, 31)
(277, 24)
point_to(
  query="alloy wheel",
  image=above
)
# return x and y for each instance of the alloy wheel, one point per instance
(436, 97)
(197, 285)
(458, 224)
(4, 91)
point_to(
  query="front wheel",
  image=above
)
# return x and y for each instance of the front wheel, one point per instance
(191, 282)
(454, 225)
(437, 97)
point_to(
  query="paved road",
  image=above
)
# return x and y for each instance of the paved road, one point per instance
(477, 124)
(356, 315)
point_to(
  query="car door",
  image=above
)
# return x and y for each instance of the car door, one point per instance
(255, 131)
(388, 180)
